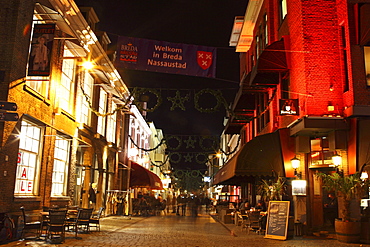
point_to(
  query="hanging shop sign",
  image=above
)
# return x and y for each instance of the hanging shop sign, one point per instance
(8, 116)
(41, 46)
(166, 57)
(288, 107)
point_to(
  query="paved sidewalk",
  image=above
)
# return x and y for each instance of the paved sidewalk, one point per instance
(173, 231)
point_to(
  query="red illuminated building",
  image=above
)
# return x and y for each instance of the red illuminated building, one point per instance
(303, 93)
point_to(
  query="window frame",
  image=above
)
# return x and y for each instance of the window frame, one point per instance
(67, 80)
(283, 10)
(86, 90)
(58, 160)
(367, 64)
(101, 124)
(111, 124)
(30, 144)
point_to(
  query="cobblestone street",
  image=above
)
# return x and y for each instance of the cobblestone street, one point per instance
(171, 231)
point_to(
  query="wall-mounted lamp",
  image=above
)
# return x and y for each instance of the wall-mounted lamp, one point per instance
(80, 125)
(133, 152)
(57, 111)
(295, 164)
(88, 65)
(364, 175)
(337, 161)
(331, 108)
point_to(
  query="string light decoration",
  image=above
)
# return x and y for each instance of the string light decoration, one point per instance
(216, 93)
(178, 157)
(190, 143)
(148, 150)
(138, 92)
(125, 107)
(162, 163)
(188, 157)
(178, 101)
(178, 139)
(212, 146)
(235, 148)
(200, 161)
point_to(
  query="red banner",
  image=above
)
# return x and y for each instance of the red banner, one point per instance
(166, 57)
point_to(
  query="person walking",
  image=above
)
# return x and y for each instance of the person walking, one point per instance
(168, 203)
(173, 203)
(92, 196)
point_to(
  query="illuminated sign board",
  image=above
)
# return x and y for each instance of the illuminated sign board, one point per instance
(288, 107)
(299, 187)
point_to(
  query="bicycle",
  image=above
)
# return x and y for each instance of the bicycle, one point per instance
(7, 227)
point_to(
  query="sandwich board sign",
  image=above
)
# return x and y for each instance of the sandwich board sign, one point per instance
(277, 220)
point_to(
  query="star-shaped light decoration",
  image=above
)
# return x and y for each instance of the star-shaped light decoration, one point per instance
(190, 142)
(178, 101)
(188, 157)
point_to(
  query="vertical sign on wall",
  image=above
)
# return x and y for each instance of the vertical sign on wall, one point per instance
(41, 45)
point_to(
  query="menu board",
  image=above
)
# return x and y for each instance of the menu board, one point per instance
(277, 220)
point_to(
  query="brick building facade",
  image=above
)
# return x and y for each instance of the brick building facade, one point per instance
(314, 54)
(72, 134)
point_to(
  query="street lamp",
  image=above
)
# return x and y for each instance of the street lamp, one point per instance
(295, 164)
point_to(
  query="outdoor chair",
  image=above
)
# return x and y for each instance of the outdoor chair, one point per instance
(253, 221)
(238, 219)
(56, 226)
(95, 219)
(29, 226)
(82, 222)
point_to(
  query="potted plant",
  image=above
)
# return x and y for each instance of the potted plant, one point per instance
(349, 189)
(271, 190)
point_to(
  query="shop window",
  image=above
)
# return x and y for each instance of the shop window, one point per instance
(28, 163)
(60, 168)
(112, 119)
(367, 64)
(320, 154)
(102, 111)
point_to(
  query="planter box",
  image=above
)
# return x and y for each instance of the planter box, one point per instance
(348, 232)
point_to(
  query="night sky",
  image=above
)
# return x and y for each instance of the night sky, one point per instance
(196, 22)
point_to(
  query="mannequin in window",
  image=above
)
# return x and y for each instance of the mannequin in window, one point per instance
(92, 195)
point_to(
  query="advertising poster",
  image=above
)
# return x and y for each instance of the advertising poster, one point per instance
(41, 45)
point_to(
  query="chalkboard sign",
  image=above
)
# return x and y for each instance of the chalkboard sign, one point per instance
(277, 220)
